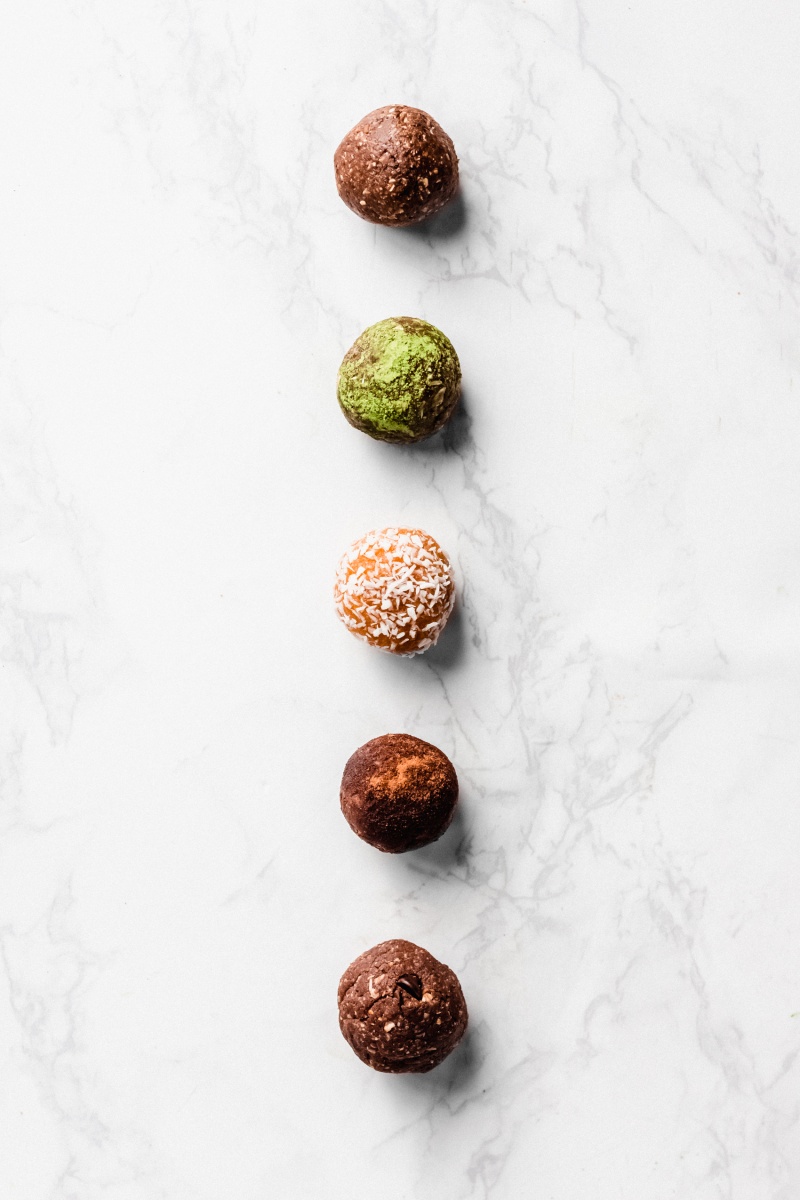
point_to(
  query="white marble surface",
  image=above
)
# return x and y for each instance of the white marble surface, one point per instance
(620, 690)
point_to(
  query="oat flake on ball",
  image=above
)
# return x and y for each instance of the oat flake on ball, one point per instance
(397, 166)
(394, 589)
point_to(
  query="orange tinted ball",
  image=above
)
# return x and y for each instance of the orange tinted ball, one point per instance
(394, 588)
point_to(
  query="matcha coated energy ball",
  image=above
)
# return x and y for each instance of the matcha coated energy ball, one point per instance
(400, 380)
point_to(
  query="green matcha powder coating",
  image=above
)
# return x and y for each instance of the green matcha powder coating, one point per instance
(399, 381)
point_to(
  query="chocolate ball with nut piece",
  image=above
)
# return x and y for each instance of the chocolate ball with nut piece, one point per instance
(397, 166)
(398, 793)
(400, 1009)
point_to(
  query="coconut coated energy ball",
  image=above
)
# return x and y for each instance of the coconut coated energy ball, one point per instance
(394, 589)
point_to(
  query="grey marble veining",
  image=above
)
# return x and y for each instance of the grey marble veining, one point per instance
(619, 686)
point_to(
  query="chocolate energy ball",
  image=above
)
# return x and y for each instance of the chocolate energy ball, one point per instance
(394, 589)
(397, 166)
(398, 793)
(400, 380)
(400, 1009)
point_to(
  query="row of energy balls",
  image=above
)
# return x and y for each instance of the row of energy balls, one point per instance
(400, 1008)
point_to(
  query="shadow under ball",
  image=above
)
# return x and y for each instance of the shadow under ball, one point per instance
(399, 793)
(397, 166)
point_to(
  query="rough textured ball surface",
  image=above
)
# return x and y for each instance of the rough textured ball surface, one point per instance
(397, 166)
(400, 1009)
(399, 793)
(394, 589)
(400, 380)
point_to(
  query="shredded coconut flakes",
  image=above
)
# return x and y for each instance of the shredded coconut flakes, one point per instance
(394, 588)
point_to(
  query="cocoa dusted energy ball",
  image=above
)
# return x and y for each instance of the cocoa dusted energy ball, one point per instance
(397, 166)
(400, 1009)
(398, 793)
(400, 380)
(394, 589)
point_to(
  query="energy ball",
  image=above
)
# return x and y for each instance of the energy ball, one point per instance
(397, 166)
(394, 589)
(398, 793)
(400, 380)
(400, 1009)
